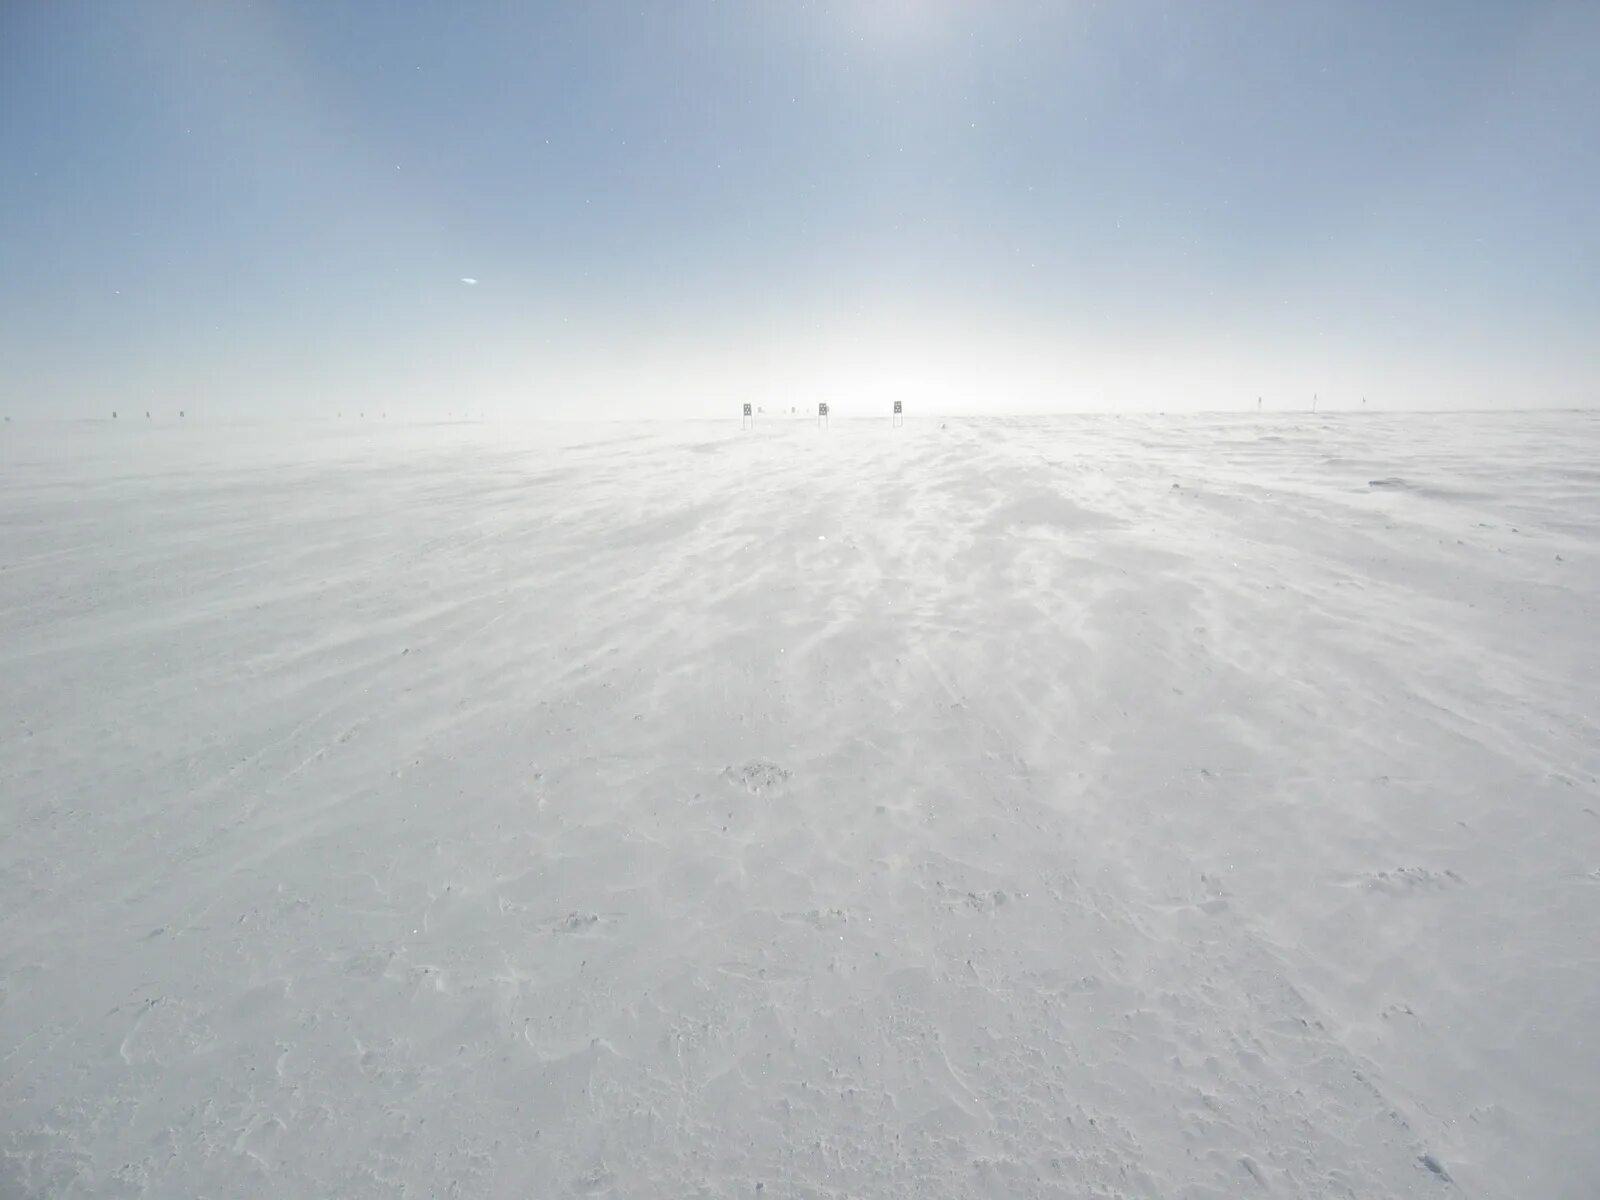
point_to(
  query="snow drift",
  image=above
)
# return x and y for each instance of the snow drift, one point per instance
(1140, 807)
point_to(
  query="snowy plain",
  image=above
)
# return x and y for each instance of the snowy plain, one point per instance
(1127, 806)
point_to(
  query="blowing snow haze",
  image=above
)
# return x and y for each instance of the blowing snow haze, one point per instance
(428, 770)
(264, 209)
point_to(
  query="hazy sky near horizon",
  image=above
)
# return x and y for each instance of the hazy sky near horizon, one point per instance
(601, 209)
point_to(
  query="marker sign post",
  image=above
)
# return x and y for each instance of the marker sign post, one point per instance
(899, 418)
(822, 414)
(747, 422)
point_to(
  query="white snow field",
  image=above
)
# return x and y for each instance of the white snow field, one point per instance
(1081, 807)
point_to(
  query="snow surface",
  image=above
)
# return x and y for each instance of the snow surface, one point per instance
(1091, 807)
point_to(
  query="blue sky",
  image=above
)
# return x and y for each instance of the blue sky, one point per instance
(669, 208)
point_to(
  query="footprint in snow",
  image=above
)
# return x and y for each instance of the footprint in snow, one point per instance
(593, 1183)
(581, 922)
(984, 902)
(819, 918)
(757, 776)
(1406, 880)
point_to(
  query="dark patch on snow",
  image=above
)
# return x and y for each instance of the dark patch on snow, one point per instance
(1434, 1165)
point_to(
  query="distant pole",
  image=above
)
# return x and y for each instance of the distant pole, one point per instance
(1258, 403)
(1313, 402)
